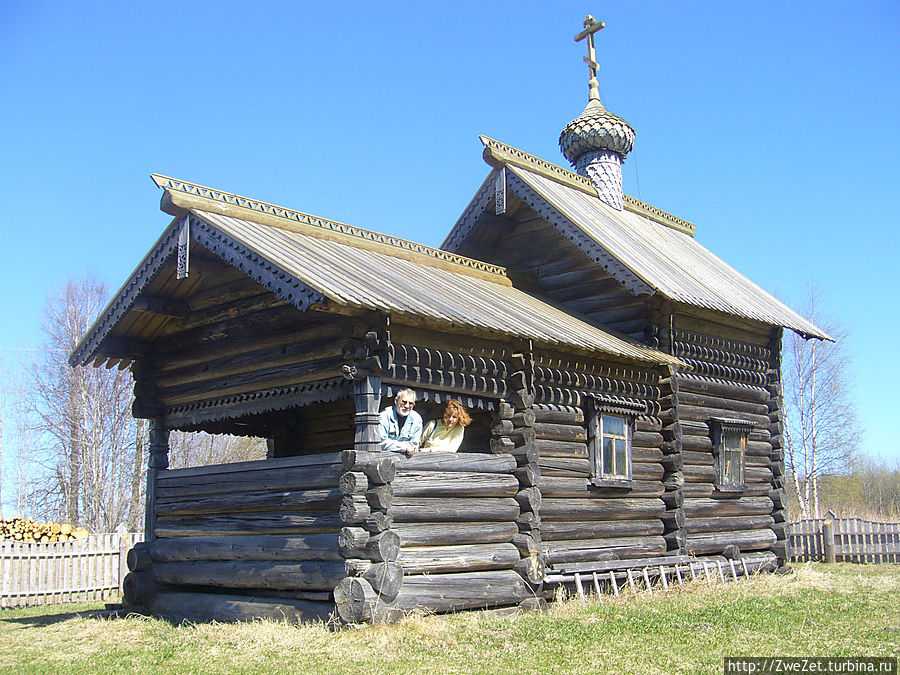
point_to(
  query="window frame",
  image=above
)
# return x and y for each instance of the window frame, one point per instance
(617, 407)
(723, 428)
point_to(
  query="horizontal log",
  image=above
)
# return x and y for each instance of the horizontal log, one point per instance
(444, 559)
(585, 509)
(715, 542)
(555, 486)
(355, 509)
(647, 454)
(529, 499)
(743, 506)
(647, 439)
(138, 558)
(565, 466)
(454, 484)
(593, 529)
(673, 499)
(352, 538)
(454, 534)
(648, 424)
(219, 366)
(326, 499)
(242, 468)
(550, 448)
(695, 490)
(701, 414)
(584, 550)
(229, 608)
(560, 432)
(296, 575)
(726, 523)
(694, 473)
(355, 600)
(558, 414)
(525, 418)
(296, 478)
(301, 522)
(528, 475)
(708, 401)
(438, 461)
(460, 591)
(354, 483)
(323, 547)
(450, 509)
(386, 578)
(722, 388)
(380, 497)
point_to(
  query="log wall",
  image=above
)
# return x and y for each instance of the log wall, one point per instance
(729, 378)
(432, 531)
(581, 521)
(248, 535)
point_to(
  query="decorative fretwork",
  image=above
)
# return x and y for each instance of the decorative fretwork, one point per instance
(581, 239)
(268, 400)
(281, 283)
(389, 389)
(470, 216)
(686, 350)
(507, 154)
(253, 205)
(593, 383)
(647, 376)
(124, 300)
(704, 340)
(618, 405)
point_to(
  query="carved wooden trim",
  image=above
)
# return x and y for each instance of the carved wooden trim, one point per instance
(497, 153)
(281, 283)
(269, 400)
(581, 239)
(470, 216)
(249, 207)
(122, 303)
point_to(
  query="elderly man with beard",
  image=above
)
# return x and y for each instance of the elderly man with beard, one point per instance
(401, 426)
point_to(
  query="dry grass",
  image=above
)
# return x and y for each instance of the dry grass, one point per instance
(820, 610)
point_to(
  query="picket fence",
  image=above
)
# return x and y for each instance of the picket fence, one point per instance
(845, 540)
(72, 571)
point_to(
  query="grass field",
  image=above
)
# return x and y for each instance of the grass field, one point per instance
(821, 610)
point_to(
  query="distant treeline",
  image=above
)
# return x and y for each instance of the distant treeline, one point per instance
(870, 490)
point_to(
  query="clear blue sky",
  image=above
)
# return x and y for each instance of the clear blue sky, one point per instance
(772, 126)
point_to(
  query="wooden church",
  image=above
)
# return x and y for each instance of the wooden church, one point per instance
(624, 385)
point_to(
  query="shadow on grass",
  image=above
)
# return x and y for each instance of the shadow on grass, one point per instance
(50, 619)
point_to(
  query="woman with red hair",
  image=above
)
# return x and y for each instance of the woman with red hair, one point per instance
(446, 434)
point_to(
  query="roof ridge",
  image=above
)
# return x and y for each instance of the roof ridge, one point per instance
(253, 206)
(506, 154)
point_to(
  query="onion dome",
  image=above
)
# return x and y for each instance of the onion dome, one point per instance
(596, 129)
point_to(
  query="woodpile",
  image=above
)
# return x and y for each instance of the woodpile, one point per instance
(32, 532)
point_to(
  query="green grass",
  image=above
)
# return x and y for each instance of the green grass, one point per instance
(821, 610)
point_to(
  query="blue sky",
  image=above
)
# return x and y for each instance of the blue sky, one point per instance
(770, 125)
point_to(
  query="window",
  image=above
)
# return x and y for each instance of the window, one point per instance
(730, 448)
(610, 431)
(612, 456)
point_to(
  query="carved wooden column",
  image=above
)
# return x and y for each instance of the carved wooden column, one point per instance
(367, 395)
(157, 461)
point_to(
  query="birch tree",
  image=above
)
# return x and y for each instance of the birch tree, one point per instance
(821, 430)
(87, 435)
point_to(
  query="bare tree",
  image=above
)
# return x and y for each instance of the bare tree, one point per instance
(83, 415)
(821, 430)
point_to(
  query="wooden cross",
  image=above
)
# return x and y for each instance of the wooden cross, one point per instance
(590, 27)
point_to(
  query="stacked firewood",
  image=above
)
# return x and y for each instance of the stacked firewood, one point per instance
(30, 531)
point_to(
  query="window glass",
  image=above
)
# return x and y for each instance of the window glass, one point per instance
(612, 445)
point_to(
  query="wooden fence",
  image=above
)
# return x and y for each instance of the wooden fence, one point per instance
(845, 540)
(71, 571)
